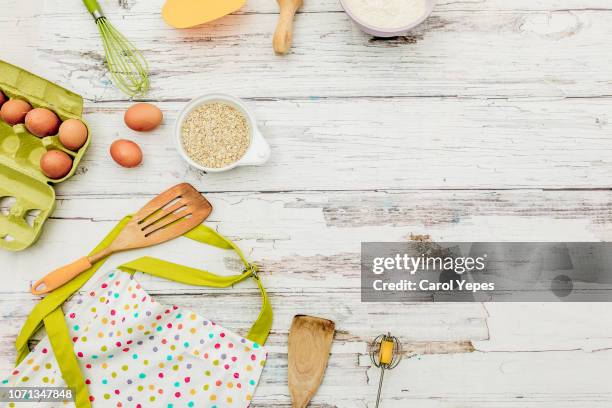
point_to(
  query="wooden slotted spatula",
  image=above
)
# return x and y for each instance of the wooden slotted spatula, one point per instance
(310, 341)
(167, 216)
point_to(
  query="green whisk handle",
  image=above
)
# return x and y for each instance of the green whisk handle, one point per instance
(94, 8)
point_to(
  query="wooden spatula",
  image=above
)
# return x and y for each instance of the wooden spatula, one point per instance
(310, 341)
(169, 215)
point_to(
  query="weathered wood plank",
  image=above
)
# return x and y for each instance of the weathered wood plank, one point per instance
(567, 379)
(551, 326)
(437, 376)
(546, 51)
(427, 328)
(312, 240)
(152, 7)
(444, 380)
(427, 209)
(374, 144)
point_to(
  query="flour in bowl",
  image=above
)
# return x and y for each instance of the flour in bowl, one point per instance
(387, 14)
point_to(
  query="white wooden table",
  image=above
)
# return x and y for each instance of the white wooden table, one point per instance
(491, 121)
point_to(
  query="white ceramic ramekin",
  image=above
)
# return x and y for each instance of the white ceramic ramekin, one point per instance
(258, 151)
(386, 33)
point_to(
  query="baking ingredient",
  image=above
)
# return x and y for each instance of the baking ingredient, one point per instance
(73, 134)
(143, 117)
(126, 153)
(215, 135)
(153, 224)
(55, 164)
(189, 13)
(310, 341)
(283, 34)
(42, 122)
(386, 354)
(387, 14)
(3, 98)
(14, 111)
(126, 64)
(20, 153)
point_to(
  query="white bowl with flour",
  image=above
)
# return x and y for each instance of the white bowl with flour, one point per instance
(388, 18)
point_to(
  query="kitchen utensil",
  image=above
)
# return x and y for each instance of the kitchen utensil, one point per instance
(386, 354)
(284, 29)
(259, 150)
(22, 217)
(190, 13)
(387, 33)
(167, 216)
(310, 341)
(126, 64)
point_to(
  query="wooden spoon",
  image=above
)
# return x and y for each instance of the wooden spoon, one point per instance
(167, 216)
(310, 341)
(284, 29)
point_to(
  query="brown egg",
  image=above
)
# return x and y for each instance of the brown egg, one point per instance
(126, 153)
(73, 134)
(143, 117)
(15, 111)
(3, 98)
(55, 164)
(42, 122)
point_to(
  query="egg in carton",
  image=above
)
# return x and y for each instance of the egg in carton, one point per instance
(35, 117)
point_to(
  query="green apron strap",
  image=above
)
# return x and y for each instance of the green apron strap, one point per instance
(48, 311)
(59, 337)
(197, 277)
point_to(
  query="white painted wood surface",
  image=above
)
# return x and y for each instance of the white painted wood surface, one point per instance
(489, 122)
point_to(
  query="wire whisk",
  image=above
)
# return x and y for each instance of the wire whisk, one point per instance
(127, 66)
(386, 354)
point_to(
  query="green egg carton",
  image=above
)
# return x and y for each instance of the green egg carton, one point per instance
(23, 185)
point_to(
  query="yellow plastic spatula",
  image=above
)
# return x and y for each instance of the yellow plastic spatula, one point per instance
(190, 13)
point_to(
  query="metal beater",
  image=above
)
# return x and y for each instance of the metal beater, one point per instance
(386, 354)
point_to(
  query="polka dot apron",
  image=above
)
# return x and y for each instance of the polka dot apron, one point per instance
(131, 351)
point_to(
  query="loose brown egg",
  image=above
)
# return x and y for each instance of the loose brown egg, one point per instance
(15, 111)
(3, 98)
(55, 164)
(73, 134)
(42, 122)
(143, 117)
(126, 153)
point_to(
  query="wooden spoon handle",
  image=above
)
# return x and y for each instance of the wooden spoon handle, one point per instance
(60, 276)
(284, 29)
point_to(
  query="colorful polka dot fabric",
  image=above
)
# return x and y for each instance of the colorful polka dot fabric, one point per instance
(136, 352)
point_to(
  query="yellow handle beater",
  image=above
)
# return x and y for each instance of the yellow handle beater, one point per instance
(386, 354)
